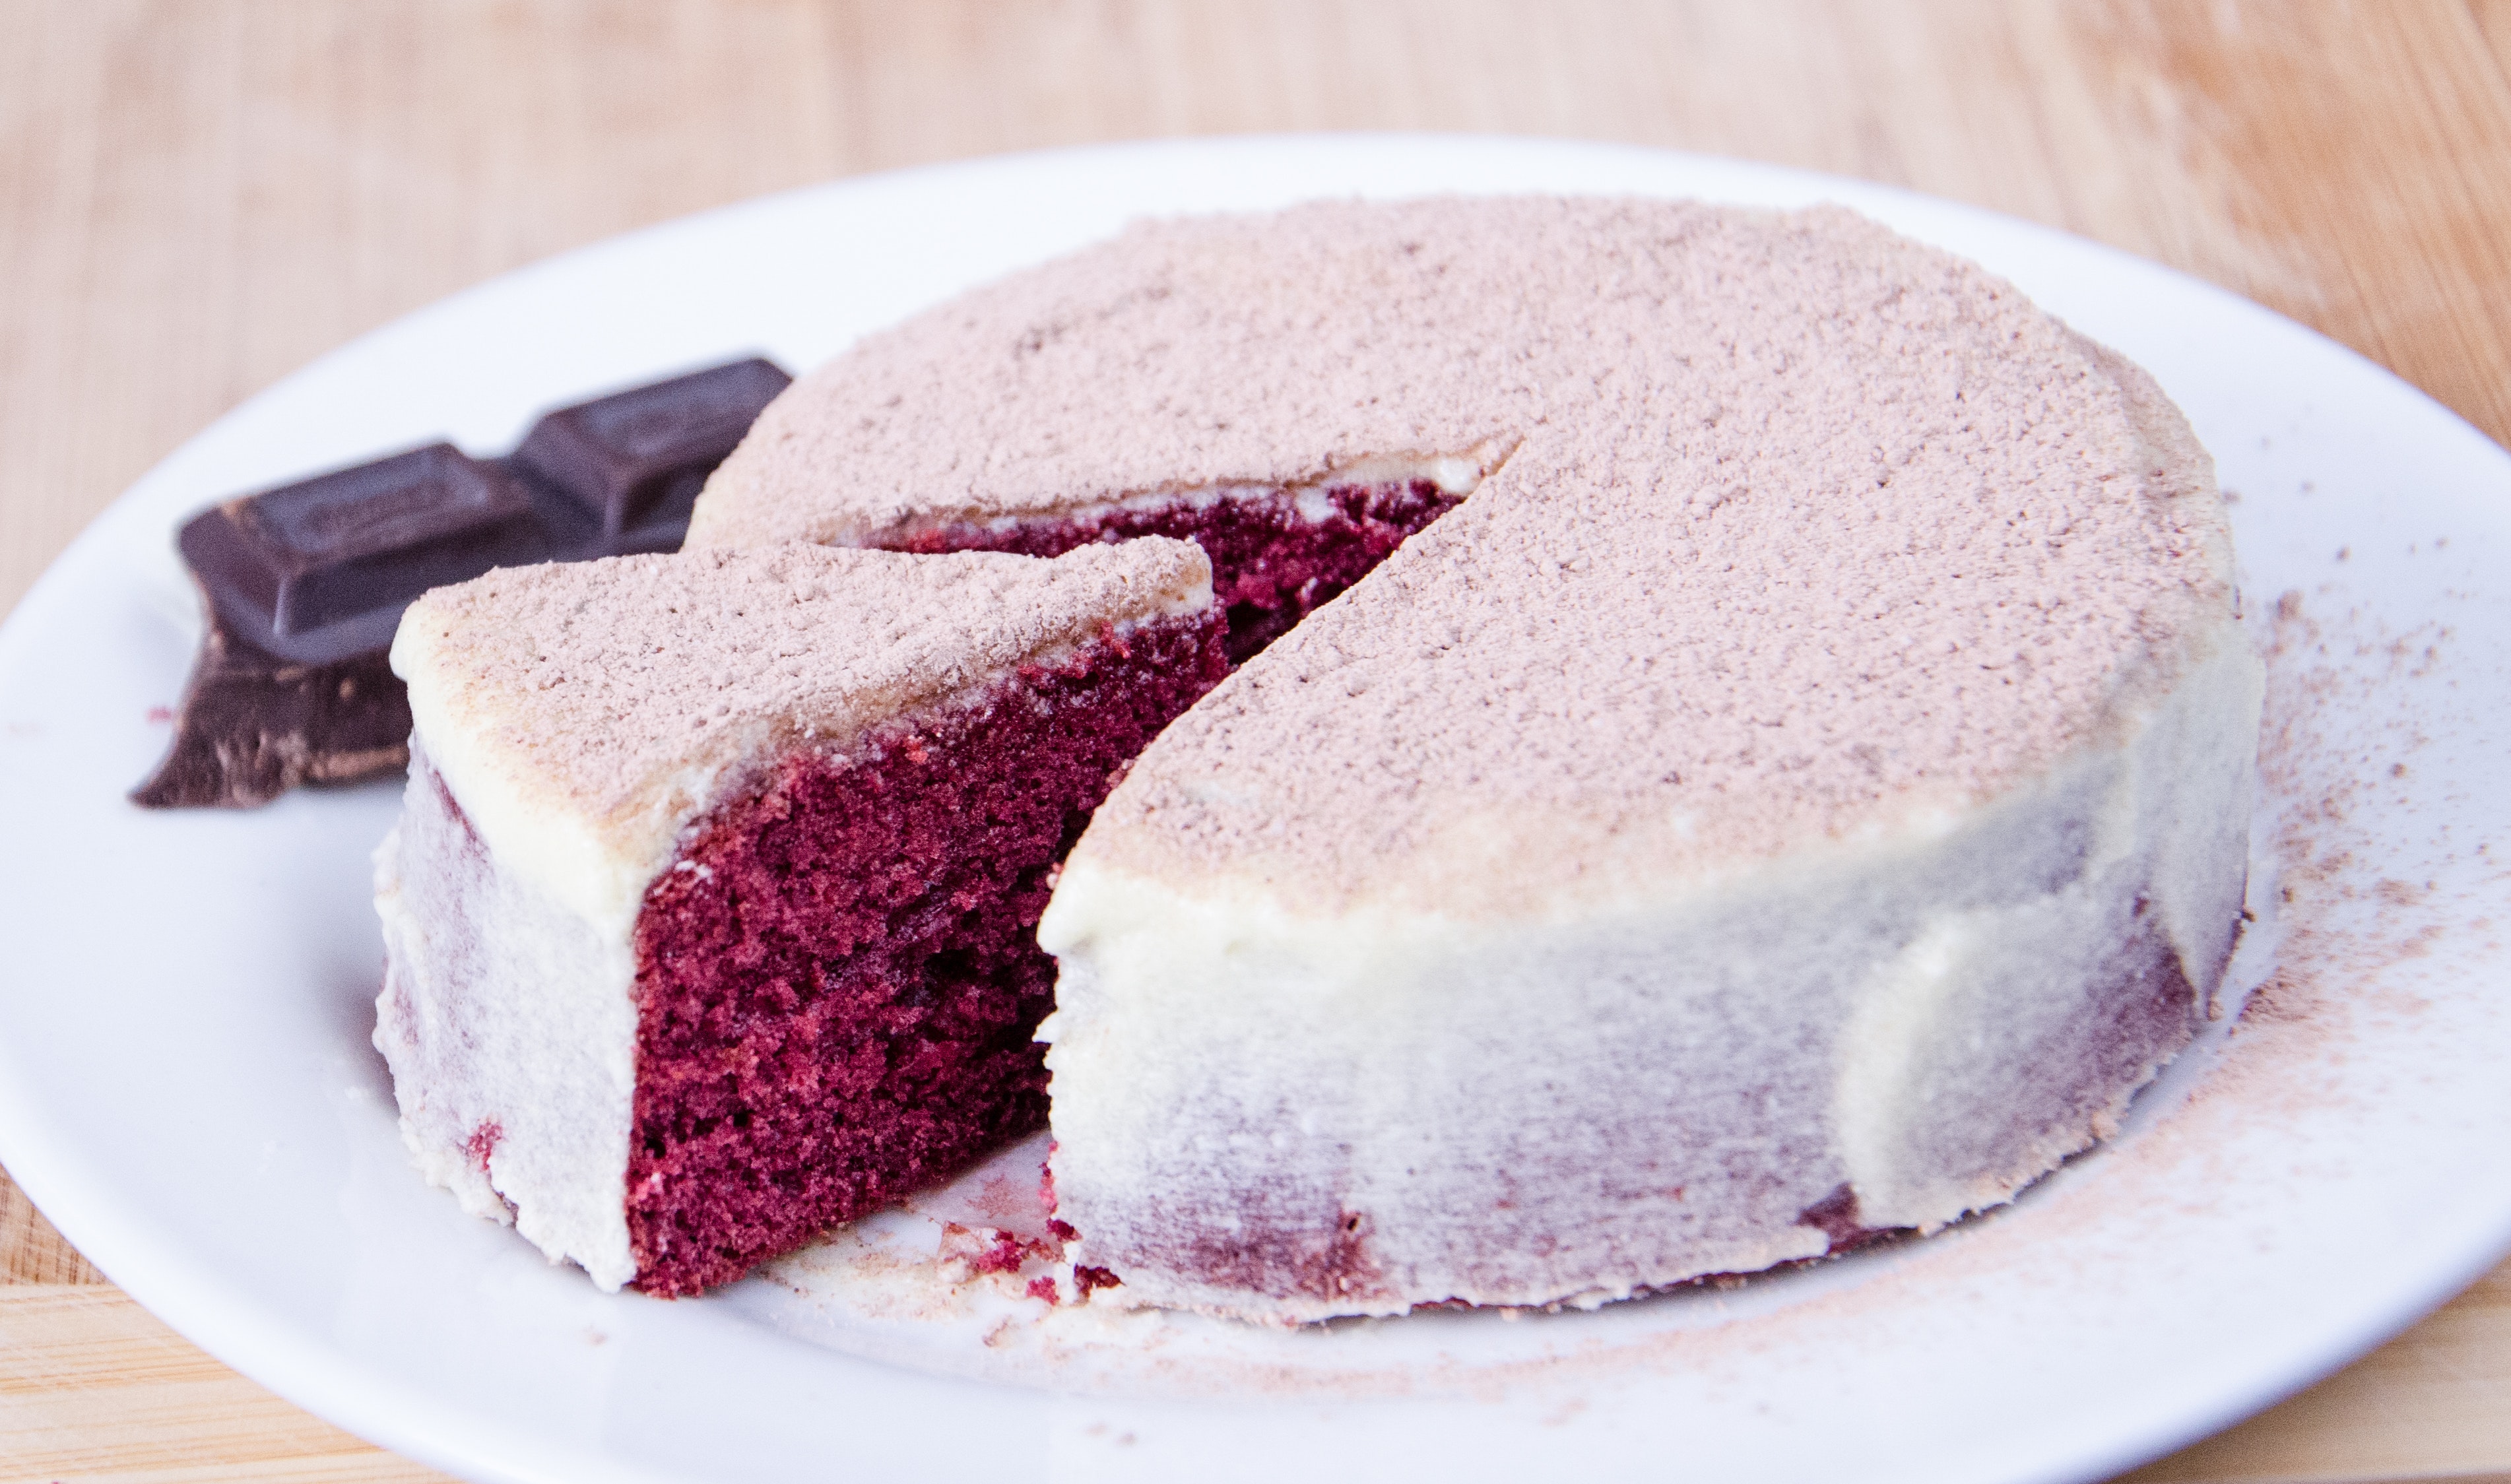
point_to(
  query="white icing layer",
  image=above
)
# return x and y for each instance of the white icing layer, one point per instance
(510, 1024)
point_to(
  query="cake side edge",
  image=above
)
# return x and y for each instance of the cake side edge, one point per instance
(1380, 1180)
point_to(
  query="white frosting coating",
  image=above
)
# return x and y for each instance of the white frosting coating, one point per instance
(1575, 1103)
(510, 1024)
(1934, 1032)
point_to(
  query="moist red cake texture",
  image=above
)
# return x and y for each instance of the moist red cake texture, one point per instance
(838, 981)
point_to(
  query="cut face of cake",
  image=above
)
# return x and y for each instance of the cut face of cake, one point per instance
(709, 918)
(1798, 787)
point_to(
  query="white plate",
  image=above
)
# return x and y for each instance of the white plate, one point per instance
(186, 1084)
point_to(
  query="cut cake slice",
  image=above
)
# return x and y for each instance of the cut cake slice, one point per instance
(711, 914)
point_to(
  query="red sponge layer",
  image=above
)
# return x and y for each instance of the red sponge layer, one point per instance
(839, 980)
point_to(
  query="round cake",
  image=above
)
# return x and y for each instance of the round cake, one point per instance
(1791, 783)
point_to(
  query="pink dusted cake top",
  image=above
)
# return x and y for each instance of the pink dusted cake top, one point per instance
(599, 688)
(1804, 527)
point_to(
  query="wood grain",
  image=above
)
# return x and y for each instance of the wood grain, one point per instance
(2433, 1403)
(94, 1387)
(30, 1250)
(199, 196)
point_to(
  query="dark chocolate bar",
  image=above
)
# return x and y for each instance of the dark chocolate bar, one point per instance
(252, 725)
(633, 463)
(321, 570)
(305, 584)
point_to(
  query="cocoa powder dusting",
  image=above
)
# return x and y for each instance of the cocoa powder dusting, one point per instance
(1804, 527)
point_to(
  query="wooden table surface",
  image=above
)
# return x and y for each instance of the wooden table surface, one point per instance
(196, 198)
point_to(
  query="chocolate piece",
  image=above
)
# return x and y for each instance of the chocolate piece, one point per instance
(634, 462)
(321, 570)
(254, 724)
(305, 584)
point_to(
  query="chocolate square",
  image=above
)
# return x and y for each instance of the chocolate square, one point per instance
(252, 725)
(633, 461)
(321, 569)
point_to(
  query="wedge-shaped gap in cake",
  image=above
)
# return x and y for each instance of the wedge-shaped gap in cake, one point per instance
(1279, 550)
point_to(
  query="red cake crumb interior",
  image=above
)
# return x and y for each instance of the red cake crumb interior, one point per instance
(839, 979)
(1271, 564)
